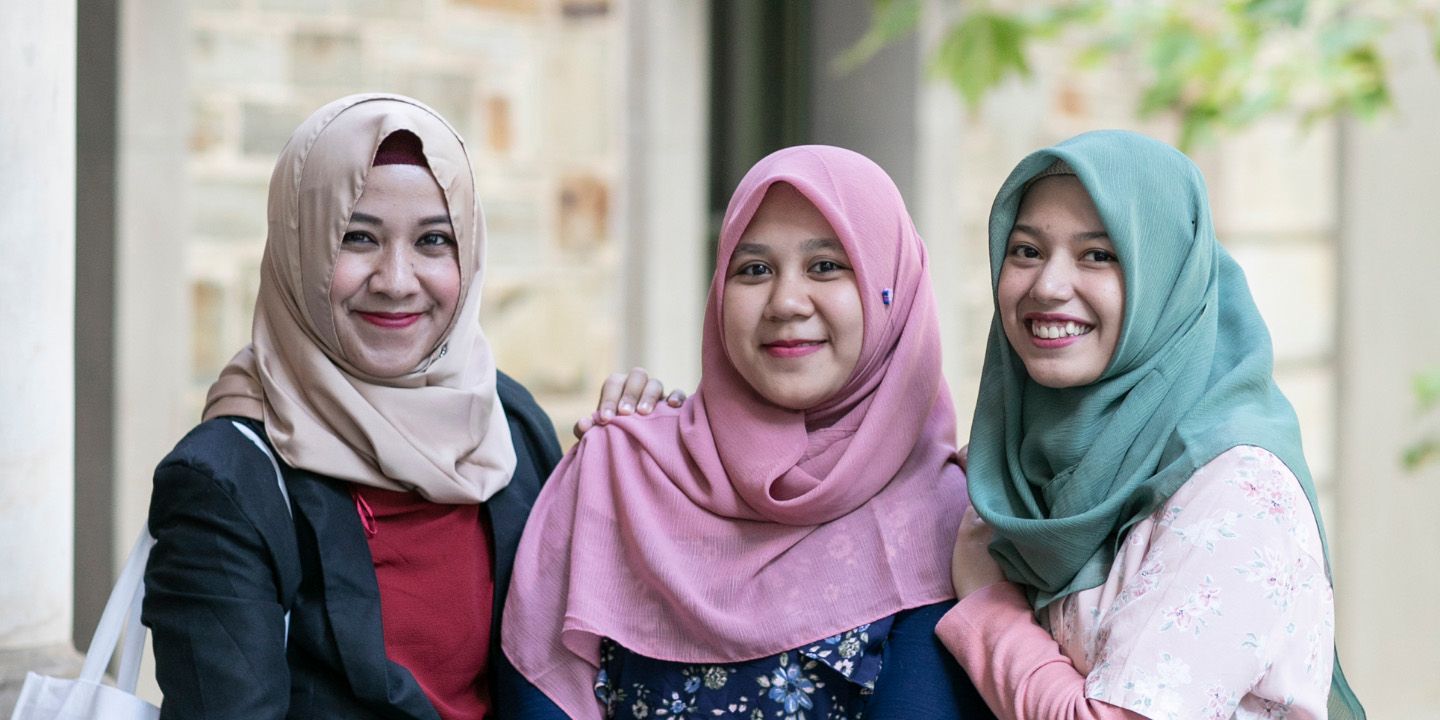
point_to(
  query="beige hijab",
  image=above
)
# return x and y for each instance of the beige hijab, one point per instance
(438, 430)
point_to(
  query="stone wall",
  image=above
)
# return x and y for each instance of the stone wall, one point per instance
(533, 87)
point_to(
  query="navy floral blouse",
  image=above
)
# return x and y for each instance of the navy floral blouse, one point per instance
(828, 680)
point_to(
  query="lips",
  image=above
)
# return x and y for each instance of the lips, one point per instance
(792, 348)
(1050, 331)
(390, 320)
(1055, 330)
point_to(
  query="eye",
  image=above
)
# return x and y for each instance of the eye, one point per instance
(434, 239)
(356, 237)
(826, 267)
(1100, 255)
(752, 270)
(1022, 250)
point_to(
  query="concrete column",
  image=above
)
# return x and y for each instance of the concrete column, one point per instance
(665, 195)
(1386, 567)
(37, 294)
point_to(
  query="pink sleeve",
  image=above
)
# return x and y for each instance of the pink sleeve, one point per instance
(1015, 664)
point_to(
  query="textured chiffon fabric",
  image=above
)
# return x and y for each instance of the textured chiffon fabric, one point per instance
(729, 529)
(1217, 606)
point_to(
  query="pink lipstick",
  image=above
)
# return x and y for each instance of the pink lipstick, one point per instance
(390, 320)
(792, 348)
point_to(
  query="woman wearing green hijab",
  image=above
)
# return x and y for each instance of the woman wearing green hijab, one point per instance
(1150, 544)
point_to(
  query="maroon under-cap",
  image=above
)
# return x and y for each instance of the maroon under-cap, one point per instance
(401, 147)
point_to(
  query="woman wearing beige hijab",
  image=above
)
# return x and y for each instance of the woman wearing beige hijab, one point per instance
(370, 582)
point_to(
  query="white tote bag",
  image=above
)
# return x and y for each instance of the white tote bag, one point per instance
(51, 698)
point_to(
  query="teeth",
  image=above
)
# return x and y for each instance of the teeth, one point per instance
(1052, 332)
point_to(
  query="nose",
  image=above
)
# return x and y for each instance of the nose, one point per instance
(394, 274)
(789, 299)
(1056, 281)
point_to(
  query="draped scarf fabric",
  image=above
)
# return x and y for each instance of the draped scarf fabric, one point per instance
(727, 529)
(1061, 474)
(438, 430)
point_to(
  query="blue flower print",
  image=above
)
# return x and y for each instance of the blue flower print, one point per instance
(790, 688)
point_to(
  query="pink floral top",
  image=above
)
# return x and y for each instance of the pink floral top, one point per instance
(1217, 605)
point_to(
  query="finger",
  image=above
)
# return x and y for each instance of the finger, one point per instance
(610, 395)
(630, 394)
(964, 454)
(676, 398)
(582, 425)
(650, 396)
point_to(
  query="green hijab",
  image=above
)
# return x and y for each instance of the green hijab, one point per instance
(1062, 474)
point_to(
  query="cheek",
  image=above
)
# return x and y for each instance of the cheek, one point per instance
(442, 277)
(1008, 294)
(736, 324)
(849, 314)
(351, 270)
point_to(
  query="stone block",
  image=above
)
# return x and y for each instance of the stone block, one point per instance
(265, 128)
(326, 59)
(452, 94)
(228, 209)
(1311, 390)
(208, 349)
(515, 231)
(210, 126)
(584, 9)
(312, 7)
(1294, 285)
(582, 214)
(527, 7)
(1275, 178)
(498, 124)
(579, 94)
(382, 8)
(555, 333)
(240, 56)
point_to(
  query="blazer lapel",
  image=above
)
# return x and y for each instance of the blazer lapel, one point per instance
(352, 598)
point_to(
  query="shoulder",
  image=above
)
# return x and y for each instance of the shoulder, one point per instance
(1244, 502)
(216, 459)
(218, 450)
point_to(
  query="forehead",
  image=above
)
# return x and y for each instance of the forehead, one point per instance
(784, 205)
(1058, 197)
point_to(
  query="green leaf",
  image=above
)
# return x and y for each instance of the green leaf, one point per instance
(1289, 12)
(980, 52)
(1421, 453)
(1427, 388)
(889, 21)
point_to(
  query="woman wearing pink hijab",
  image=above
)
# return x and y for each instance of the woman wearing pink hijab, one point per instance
(779, 546)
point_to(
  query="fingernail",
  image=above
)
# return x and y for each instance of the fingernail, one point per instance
(607, 413)
(626, 407)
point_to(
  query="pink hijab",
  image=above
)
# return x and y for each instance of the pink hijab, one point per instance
(669, 534)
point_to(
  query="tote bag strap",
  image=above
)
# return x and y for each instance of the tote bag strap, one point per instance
(280, 480)
(125, 600)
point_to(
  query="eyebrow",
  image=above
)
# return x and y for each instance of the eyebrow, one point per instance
(372, 220)
(811, 245)
(1087, 235)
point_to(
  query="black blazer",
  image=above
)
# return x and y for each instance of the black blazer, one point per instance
(228, 563)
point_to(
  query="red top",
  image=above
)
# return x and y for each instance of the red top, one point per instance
(435, 567)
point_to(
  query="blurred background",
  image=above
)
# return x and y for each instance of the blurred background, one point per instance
(137, 139)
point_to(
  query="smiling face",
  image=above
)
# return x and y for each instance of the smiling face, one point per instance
(397, 276)
(791, 317)
(1061, 291)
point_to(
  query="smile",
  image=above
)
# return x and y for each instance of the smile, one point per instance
(390, 320)
(792, 348)
(1054, 330)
